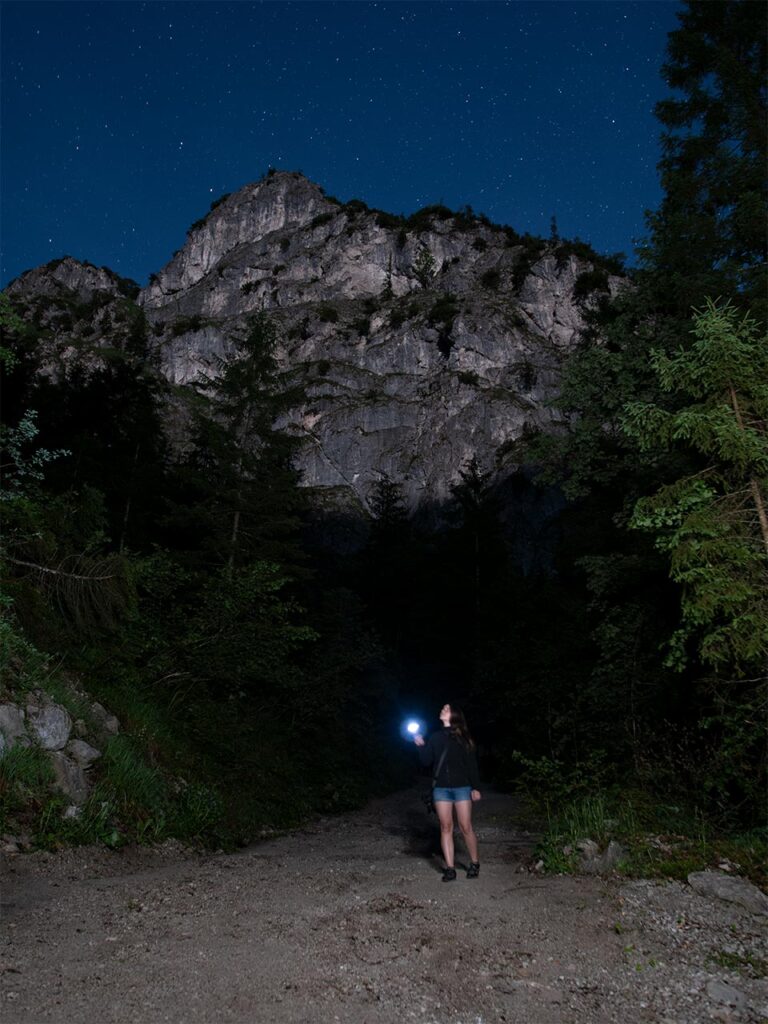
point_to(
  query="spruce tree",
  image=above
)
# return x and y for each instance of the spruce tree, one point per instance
(708, 236)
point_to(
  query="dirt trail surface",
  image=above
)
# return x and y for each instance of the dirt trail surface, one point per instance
(350, 921)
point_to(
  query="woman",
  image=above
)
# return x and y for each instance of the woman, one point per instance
(451, 752)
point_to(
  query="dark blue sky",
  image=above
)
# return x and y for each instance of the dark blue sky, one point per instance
(123, 121)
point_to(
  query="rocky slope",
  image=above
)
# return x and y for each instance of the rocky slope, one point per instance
(418, 343)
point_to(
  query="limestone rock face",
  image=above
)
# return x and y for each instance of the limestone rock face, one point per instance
(80, 312)
(416, 345)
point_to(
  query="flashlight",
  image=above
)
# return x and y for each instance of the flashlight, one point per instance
(413, 728)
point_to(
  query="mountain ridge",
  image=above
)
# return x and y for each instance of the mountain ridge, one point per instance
(420, 343)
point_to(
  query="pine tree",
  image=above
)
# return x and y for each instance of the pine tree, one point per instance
(708, 236)
(713, 524)
(239, 492)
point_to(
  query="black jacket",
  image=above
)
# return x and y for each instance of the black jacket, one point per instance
(459, 767)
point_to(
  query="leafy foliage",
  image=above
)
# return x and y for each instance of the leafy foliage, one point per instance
(713, 524)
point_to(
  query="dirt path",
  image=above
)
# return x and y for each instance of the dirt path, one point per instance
(349, 921)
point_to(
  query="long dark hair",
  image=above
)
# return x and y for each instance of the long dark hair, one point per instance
(459, 728)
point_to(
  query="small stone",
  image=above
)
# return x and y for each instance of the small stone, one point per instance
(104, 720)
(730, 889)
(12, 726)
(82, 753)
(725, 994)
(588, 847)
(70, 777)
(72, 813)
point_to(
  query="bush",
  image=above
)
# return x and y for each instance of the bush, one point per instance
(328, 314)
(388, 220)
(443, 312)
(588, 282)
(491, 279)
(185, 324)
(355, 207)
(422, 220)
(397, 317)
(320, 219)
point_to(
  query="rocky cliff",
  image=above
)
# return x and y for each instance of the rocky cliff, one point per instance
(419, 343)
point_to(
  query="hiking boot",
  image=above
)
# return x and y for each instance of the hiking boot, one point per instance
(473, 870)
(449, 874)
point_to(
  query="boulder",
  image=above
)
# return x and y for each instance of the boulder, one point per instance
(724, 994)
(82, 753)
(593, 862)
(50, 724)
(106, 722)
(718, 886)
(70, 777)
(12, 726)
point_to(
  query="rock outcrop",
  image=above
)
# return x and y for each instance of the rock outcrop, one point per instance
(418, 344)
(37, 720)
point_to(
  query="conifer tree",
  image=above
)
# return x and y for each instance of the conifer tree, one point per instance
(713, 523)
(708, 236)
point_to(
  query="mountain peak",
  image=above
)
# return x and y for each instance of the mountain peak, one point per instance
(281, 200)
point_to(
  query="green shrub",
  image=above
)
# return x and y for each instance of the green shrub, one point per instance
(397, 317)
(134, 782)
(328, 314)
(423, 219)
(588, 282)
(491, 279)
(186, 323)
(320, 219)
(354, 207)
(388, 220)
(443, 312)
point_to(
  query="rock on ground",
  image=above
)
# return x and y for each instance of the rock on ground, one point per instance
(348, 921)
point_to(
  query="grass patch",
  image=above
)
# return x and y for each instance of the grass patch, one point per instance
(662, 838)
(744, 964)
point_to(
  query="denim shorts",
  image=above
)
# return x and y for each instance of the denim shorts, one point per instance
(452, 794)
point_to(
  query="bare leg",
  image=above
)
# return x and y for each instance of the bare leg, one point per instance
(464, 814)
(444, 810)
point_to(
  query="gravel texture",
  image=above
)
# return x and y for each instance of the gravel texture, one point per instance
(349, 921)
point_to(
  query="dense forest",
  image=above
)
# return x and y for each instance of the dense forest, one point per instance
(261, 677)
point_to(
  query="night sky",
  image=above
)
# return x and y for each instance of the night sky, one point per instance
(123, 121)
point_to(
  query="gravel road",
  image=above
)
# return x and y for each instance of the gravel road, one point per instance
(349, 921)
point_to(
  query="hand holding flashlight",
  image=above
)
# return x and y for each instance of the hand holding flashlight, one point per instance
(413, 728)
